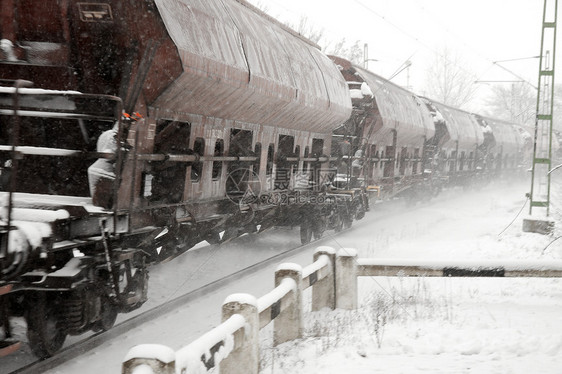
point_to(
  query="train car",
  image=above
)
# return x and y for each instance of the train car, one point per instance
(172, 122)
(130, 132)
(389, 131)
(65, 263)
(458, 144)
(504, 152)
(398, 144)
(509, 149)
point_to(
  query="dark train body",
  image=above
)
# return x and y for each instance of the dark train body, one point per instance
(180, 121)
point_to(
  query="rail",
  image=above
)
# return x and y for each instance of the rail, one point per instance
(234, 344)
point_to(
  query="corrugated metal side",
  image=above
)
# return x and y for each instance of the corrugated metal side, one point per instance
(399, 109)
(462, 127)
(242, 66)
(508, 140)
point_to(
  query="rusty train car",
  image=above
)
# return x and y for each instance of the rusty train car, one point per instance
(130, 131)
(229, 107)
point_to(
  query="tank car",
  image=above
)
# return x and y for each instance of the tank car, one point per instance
(172, 122)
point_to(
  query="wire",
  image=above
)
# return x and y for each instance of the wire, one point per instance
(548, 245)
(518, 59)
(190, 276)
(511, 223)
(415, 38)
(405, 65)
(438, 53)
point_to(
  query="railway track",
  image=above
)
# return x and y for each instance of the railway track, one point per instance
(91, 342)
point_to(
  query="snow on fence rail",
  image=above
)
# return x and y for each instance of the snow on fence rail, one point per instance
(234, 344)
(465, 268)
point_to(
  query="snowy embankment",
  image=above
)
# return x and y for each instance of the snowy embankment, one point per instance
(440, 325)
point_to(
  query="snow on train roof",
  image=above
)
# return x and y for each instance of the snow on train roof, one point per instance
(240, 65)
(399, 108)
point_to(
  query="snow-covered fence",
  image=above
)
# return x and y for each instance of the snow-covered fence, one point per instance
(464, 268)
(149, 359)
(234, 344)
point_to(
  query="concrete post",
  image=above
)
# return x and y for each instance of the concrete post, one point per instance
(148, 358)
(346, 279)
(542, 226)
(289, 325)
(245, 358)
(323, 291)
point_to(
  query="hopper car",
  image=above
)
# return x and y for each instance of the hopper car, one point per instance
(132, 130)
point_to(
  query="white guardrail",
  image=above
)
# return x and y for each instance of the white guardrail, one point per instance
(234, 344)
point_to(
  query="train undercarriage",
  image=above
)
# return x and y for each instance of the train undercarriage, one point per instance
(67, 266)
(70, 263)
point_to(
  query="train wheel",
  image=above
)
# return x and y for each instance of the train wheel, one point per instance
(347, 221)
(360, 212)
(306, 233)
(318, 228)
(338, 225)
(45, 332)
(108, 315)
(138, 286)
(317, 234)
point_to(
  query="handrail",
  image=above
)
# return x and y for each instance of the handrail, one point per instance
(336, 277)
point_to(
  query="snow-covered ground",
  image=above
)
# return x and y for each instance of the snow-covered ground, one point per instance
(403, 325)
(441, 325)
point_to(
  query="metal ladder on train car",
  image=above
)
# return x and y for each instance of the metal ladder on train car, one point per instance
(542, 150)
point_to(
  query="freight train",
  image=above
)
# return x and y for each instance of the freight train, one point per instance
(132, 130)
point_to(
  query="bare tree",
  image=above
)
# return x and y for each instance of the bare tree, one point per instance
(353, 52)
(308, 30)
(518, 103)
(341, 48)
(447, 79)
(261, 6)
(515, 102)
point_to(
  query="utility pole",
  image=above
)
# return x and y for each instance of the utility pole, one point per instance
(366, 58)
(542, 149)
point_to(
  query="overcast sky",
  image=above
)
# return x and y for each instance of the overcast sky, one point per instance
(482, 31)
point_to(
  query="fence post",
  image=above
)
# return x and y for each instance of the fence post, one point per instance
(346, 279)
(323, 291)
(155, 358)
(289, 325)
(245, 358)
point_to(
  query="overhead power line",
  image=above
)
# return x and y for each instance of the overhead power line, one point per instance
(430, 48)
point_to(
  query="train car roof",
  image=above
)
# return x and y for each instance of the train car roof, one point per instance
(461, 126)
(507, 136)
(240, 64)
(399, 108)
